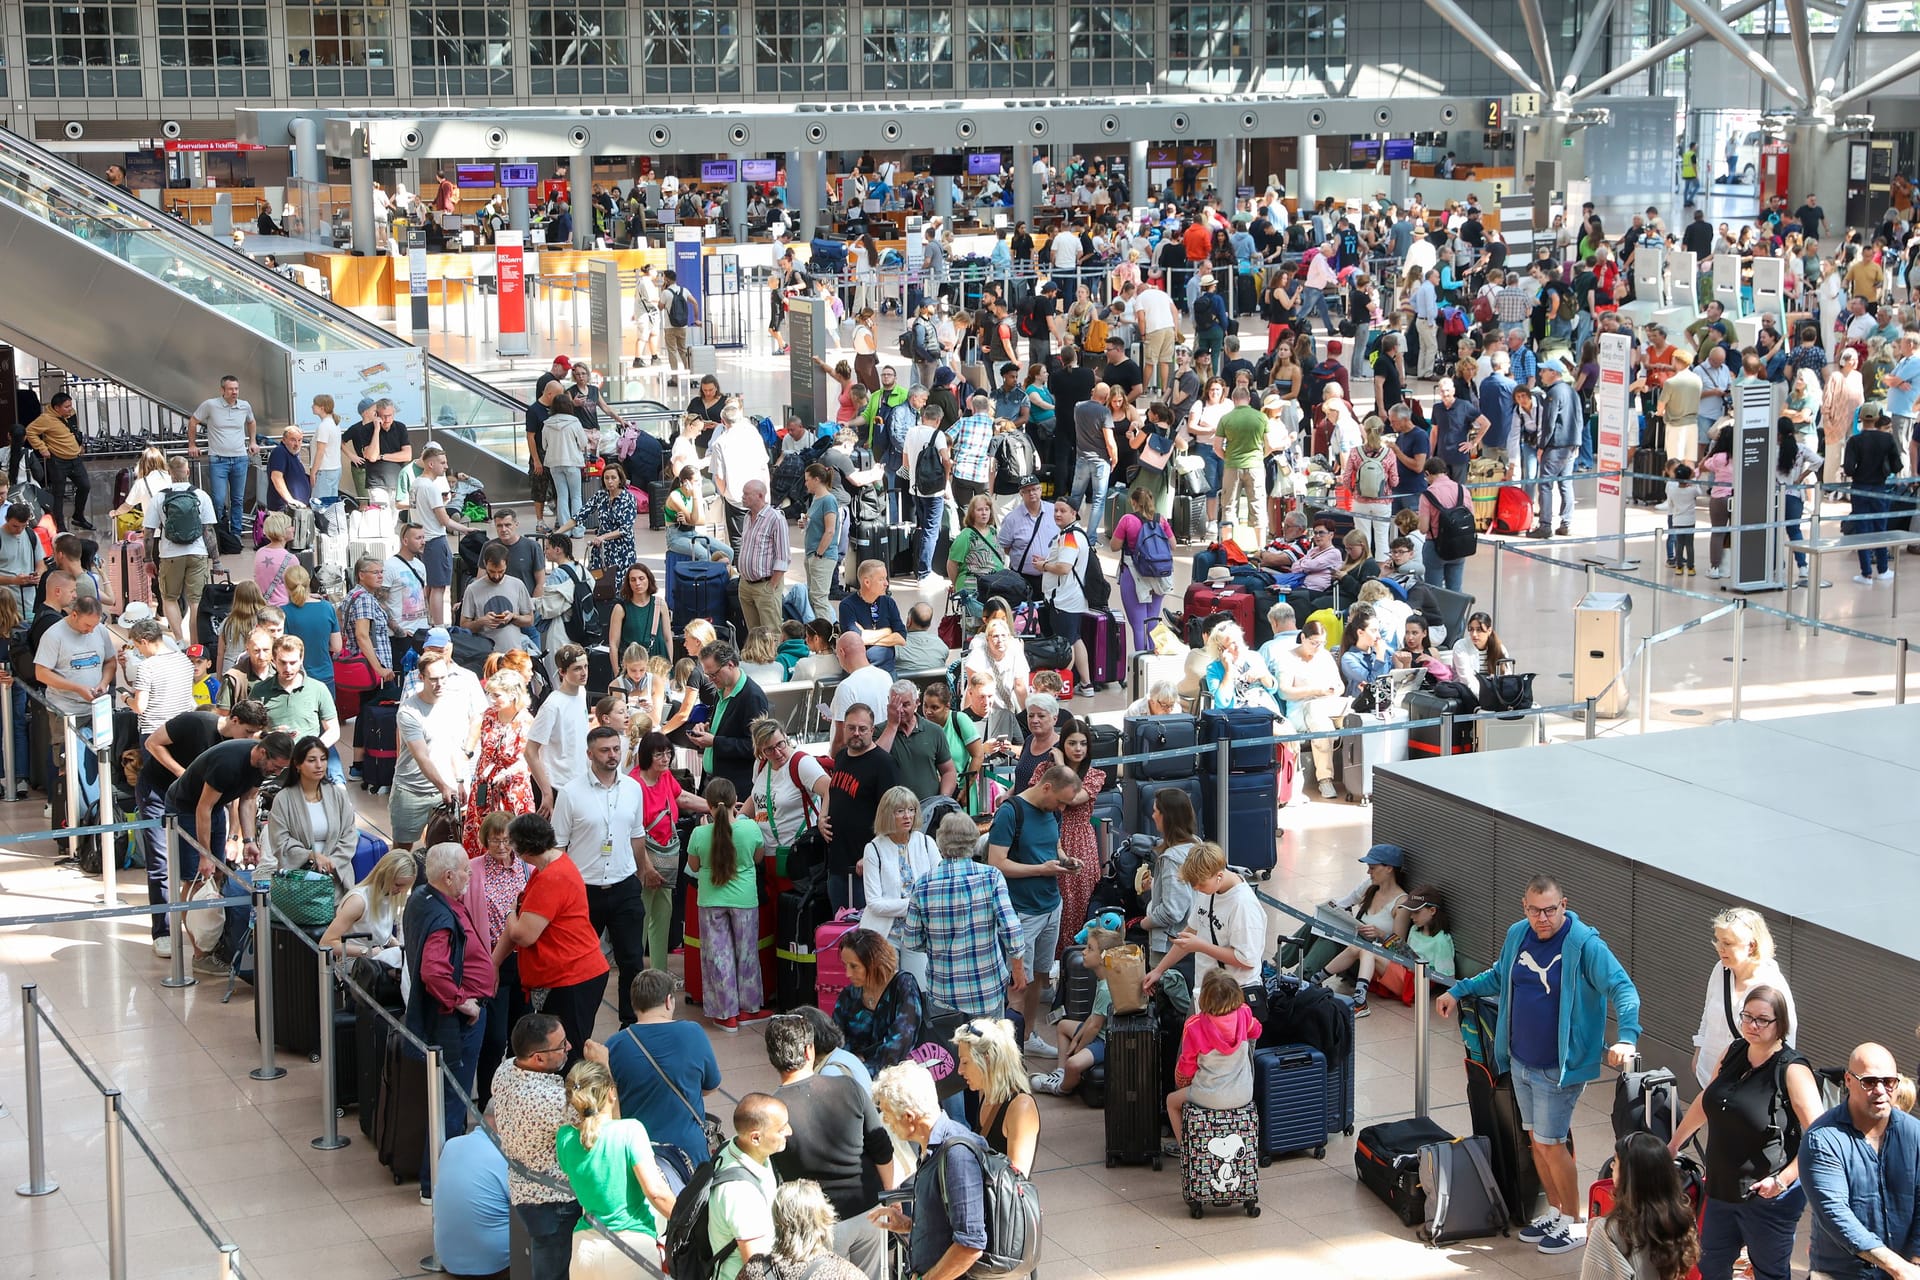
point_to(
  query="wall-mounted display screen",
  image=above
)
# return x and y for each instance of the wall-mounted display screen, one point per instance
(1179, 157)
(519, 175)
(983, 164)
(1399, 148)
(476, 175)
(759, 171)
(719, 171)
(946, 166)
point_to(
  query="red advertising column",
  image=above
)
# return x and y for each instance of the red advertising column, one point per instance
(510, 268)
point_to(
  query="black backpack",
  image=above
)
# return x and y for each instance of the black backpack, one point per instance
(1093, 584)
(1016, 461)
(586, 621)
(677, 313)
(1455, 535)
(1012, 1211)
(689, 1249)
(929, 475)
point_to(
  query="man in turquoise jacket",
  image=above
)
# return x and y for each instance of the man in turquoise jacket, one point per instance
(1554, 979)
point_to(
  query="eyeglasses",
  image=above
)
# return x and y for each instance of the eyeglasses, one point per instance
(1545, 913)
(1755, 1020)
(1883, 1084)
(564, 1045)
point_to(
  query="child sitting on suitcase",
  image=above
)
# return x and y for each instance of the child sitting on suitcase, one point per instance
(1082, 1044)
(1215, 1069)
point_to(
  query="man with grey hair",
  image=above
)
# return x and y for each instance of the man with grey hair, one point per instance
(946, 1224)
(765, 550)
(1903, 386)
(922, 758)
(379, 445)
(74, 665)
(726, 739)
(924, 649)
(961, 917)
(737, 457)
(451, 983)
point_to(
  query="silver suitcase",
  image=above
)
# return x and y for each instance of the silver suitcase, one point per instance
(1362, 752)
(1506, 732)
(1147, 668)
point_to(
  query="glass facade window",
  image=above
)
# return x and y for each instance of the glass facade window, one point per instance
(577, 48)
(460, 47)
(214, 51)
(1209, 46)
(1110, 46)
(907, 47)
(1010, 46)
(799, 48)
(693, 48)
(340, 48)
(83, 49)
(1305, 41)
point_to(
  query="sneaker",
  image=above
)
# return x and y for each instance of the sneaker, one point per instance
(1360, 1009)
(1716, 573)
(1863, 579)
(1051, 1082)
(728, 1025)
(1540, 533)
(1560, 1239)
(1691, 571)
(1563, 530)
(1885, 575)
(426, 1198)
(758, 1015)
(210, 964)
(1327, 790)
(1536, 1231)
(163, 947)
(1040, 1048)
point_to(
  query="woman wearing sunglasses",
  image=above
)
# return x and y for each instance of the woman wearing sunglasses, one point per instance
(988, 1058)
(1759, 1103)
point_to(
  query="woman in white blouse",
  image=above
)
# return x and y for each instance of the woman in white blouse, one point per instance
(1743, 946)
(1004, 660)
(1312, 695)
(1477, 653)
(313, 823)
(896, 859)
(789, 789)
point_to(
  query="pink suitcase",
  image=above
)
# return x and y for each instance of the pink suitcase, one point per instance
(1105, 635)
(830, 971)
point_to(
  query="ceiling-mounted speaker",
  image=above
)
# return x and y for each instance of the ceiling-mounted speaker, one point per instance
(1316, 119)
(170, 129)
(891, 131)
(816, 134)
(964, 130)
(1109, 125)
(1249, 121)
(1037, 127)
(1383, 117)
(1180, 122)
(1448, 115)
(496, 138)
(74, 130)
(739, 135)
(660, 138)
(412, 140)
(578, 138)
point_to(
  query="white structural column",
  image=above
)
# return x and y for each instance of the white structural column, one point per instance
(737, 202)
(581, 189)
(943, 199)
(808, 191)
(1309, 167)
(1137, 170)
(519, 214)
(1023, 182)
(360, 181)
(1226, 171)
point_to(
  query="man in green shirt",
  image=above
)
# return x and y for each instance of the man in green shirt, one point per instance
(921, 758)
(740, 1204)
(299, 705)
(1243, 440)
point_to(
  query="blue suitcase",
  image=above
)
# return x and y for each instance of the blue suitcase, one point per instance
(699, 591)
(1290, 1090)
(1138, 805)
(1239, 725)
(1252, 803)
(1162, 733)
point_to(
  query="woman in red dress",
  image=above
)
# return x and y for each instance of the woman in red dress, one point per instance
(501, 783)
(1076, 836)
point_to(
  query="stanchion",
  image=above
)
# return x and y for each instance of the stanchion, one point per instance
(116, 1190)
(1493, 604)
(1739, 649)
(1646, 686)
(37, 1183)
(1223, 808)
(436, 1134)
(177, 975)
(1422, 1016)
(7, 752)
(330, 1138)
(1593, 718)
(1446, 733)
(103, 770)
(1593, 577)
(228, 1252)
(1900, 672)
(263, 982)
(70, 755)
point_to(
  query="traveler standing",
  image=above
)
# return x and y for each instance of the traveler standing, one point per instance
(552, 933)
(451, 984)
(1861, 1163)
(529, 1108)
(230, 426)
(59, 446)
(597, 818)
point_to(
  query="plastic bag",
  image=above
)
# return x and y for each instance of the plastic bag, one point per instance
(205, 927)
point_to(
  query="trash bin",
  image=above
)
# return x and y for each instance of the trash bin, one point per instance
(1600, 650)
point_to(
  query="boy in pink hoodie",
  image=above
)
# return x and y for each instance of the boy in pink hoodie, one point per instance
(1216, 1052)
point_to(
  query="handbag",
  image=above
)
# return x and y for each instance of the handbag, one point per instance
(303, 896)
(205, 927)
(709, 1123)
(1156, 452)
(1507, 693)
(443, 826)
(1190, 476)
(809, 848)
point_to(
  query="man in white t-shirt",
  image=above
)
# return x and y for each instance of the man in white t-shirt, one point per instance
(403, 581)
(431, 493)
(864, 684)
(1063, 568)
(557, 742)
(433, 764)
(185, 567)
(1159, 326)
(230, 446)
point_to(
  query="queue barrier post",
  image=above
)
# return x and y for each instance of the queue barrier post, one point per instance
(330, 1138)
(1223, 805)
(70, 762)
(116, 1189)
(1592, 716)
(177, 975)
(436, 1134)
(1646, 684)
(227, 1254)
(37, 1183)
(1493, 606)
(1900, 672)
(7, 753)
(1739, 649)
(103, 772)
(1422, 1018)
(263, 981)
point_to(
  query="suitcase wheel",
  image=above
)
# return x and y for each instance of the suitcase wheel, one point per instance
(1156, 1164)
(1265, 1159)
(1195, 1210)
(1112, 1161)
(313, 1057)
(1253, 1210)
(1348, 1131)
(1320, 1153)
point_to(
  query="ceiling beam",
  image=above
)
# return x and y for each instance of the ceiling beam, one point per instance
(1592, 36)
(1837, 52)
(1659, 53)
(1802, 45)
(1456, 17)
(1537, 37)
(1875, 83)
(1722, 30)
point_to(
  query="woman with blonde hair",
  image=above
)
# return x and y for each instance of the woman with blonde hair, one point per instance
(273, 562)
(242, 618)
(316, 622)
(149, 478)
(897, 858)
(803, 1223)
(760, 657)
(368, 920)
(1743, 961)
(1370, 475)
(501, 780)
(609, 1163)
(974, 553)
(989, 1060)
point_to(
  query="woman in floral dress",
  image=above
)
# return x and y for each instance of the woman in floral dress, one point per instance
(1076, 836)
(612, 511)
(501, 783)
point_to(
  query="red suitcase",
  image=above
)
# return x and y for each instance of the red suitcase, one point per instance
(692, 978)
(830, 977)
(1205, 599)
(1512, 511)
(1105, 635)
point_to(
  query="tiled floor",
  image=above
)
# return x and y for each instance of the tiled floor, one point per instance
(242, 1150)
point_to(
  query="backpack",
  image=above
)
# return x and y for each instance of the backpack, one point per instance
(689, 1249)
(677, 313)
(1015, 461)
(1153, 549)
(905, 345)
(1012, 1206)
(1370, 479)
(1455, 536)
(1483, 310)
(1094, 585)
(1453, 322)
(929, 476)
(1030, 324)
(180, 516)
(20, 659)
(586, 622)
(925, 342)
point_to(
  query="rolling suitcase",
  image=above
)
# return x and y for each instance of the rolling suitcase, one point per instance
(400, 1127)
(1649, 466)
(1147, 669)
(1496, 1117)
(1360, 752)
(1147, 734)
(599, 671)
(803, 910)
(1425, 740)
(1463, 1203)
(1252, 800)
(1219, 1162)
(699, 591)
(1189, 519)
(1512, 511)
(1290, 1090)
(1105, 634)
(379, 733)
(1486, 474)
(657, 494)
(1078, 985)
(1203, 600)
(1387, 1158)
(1136, 1096)
(296, 996)
(1138, 802)
(830, 968)
(1241, 725)
(1506, 733)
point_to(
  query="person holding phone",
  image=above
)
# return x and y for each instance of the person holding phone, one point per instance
(1024, 846)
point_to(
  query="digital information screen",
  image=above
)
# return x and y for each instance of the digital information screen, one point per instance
(759, 170)
(983, 164)
(719, 171)
(475, 175)
(519, 175)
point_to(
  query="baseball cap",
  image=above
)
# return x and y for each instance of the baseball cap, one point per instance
(440, 638)
(565, 362)
(196, 651)
(366, 403)
(1385, 855)
(1335, 347)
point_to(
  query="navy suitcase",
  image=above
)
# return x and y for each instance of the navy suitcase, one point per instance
(1340, 1077)
(379, 731)
(1162, 733)
(699, 591)
(599, 671)
(1109, 806)
(1136, 1096)
(1253, 799)
(1290, 1089)
(657, 493)
(1105, 634)
(1239, 725)
(1139, 803)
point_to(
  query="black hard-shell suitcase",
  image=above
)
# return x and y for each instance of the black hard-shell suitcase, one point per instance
(657, 493)
(1189, 519)
(796, 968)
(369, 1056)
(1649, 466)
(1387, 1158)
(1422, 705)
(600, 671)
(400, 1128)
(1136, 1096)
(1252, 801)
(1138, 803)
(379, 732)
(1078, 985)
(296, 991)
(1496, 1117)
(1290, 1090)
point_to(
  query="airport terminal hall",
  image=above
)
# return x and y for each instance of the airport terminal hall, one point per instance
(959, 639)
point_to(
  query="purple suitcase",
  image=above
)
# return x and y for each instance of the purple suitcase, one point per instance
(1105, 635)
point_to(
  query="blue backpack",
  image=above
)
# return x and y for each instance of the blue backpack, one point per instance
(1153, 549)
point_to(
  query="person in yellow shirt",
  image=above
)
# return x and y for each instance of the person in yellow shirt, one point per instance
(51, 435)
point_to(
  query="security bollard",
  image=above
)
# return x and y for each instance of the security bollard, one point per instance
(263, 981)
(330, 1138)
(37, 1183)
(1422, 1017)
(116, 1190)
(1223, 807)
(436, 1134)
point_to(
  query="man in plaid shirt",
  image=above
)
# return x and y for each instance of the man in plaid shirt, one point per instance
(970, 436)
(961, 918)
(1513, 304)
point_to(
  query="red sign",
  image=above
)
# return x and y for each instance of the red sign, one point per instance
(510, 267)
(211, 144)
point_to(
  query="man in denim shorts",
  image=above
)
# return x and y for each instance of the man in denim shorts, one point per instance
(1024, 846)
(1554, 978)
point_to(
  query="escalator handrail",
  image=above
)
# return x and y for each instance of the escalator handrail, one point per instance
(58, 170)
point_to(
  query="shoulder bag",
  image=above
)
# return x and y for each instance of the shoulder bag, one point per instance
(304, 897)
(808, 849)
(709, 1123)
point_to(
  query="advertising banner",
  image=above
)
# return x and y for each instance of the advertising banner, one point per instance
(510, 270)
(1611, 449)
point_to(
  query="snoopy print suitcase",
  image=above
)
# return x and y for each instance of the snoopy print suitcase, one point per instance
(1219, 1158)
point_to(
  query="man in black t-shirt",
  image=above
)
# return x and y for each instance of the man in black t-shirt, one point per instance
(1120, 371)
(380, 445)
(1042, 309)
(199, 799)
(838, 1141)
(861, 774)
(1811, 218)
(169, 750)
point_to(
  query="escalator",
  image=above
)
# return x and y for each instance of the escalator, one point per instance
(98, 280)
